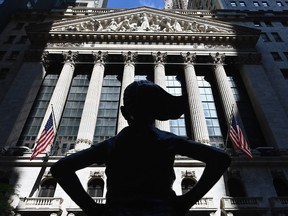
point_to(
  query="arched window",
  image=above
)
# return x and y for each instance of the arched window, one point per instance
(281, 186)
(47, 188)
(187, 184)
(95, 187)
(236, 188)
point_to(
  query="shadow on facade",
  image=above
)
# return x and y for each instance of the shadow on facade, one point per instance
(19, 92)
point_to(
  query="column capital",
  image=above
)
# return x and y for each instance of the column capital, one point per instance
(129, 57)
(189, 58)
(159, 58)
(218, 58)
(70, 57)
(100, 57)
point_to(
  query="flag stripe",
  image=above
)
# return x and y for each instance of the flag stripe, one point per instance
(238, 138)
(45, 139)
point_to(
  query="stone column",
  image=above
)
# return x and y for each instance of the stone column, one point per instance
(160, 79)
(224, 88)
(198, 121)
(61, 90)
(127, 78)
(90, 110)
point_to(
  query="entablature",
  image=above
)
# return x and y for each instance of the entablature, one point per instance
(143, 25)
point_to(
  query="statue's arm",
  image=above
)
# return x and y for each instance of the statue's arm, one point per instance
(217, 161)
(64, 173)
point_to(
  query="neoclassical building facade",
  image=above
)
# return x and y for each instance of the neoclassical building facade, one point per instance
(78, 64)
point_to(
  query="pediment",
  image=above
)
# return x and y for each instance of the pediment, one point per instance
(144, 24)
(145, 19)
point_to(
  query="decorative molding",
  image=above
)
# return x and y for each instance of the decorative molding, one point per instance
(85, 141)
(100, 57)
(188, 174)
(160, 58)
(189, 58)
(129, 57)
(143, 22)
(217, 58)
(97, 174)
(70, 57)
(64, 45)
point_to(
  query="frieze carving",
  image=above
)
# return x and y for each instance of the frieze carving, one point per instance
(144, 23)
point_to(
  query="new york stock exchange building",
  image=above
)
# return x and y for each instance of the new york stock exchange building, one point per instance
(77, 65)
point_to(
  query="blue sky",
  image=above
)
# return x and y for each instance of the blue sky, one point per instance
(135, 3)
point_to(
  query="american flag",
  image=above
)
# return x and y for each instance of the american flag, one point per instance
(238, 138)
(45, 138)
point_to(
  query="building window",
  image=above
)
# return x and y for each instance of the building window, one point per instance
(10, 39)
(276, 56)
(108, 109)
(13, 56)
(210, 112)
(36, 115)
(22, 39)
(242, 4)
(187, 184)
(268, 24)
(285, 23)
(47, 188)
(95, 187)
(19, 26)
(3, 73)
(276, 37)
(265, 37)
(257, 24)
(280, 4)
(284, 73)
(177, 126)
(256, 4)
(265, 4)
(236, 188)
(233, 4)
(70, 121)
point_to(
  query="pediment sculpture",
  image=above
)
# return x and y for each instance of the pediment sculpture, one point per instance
(144, 23)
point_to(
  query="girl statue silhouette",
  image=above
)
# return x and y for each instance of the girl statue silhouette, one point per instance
(139, 160)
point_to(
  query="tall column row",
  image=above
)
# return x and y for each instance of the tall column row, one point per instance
(87, 125)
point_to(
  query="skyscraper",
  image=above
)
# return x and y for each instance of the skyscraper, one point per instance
(79, 59)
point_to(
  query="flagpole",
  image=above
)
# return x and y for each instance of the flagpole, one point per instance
(229, 127)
